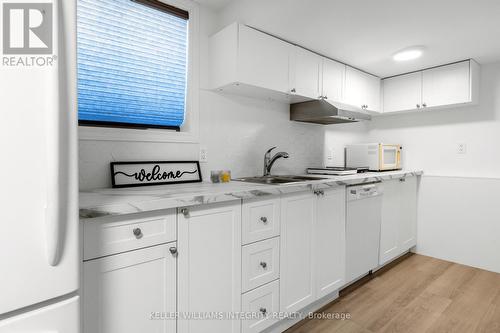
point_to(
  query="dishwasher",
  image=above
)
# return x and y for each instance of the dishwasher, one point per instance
(364, 210)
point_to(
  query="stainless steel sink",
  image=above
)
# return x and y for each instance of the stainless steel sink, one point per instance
(277, 180)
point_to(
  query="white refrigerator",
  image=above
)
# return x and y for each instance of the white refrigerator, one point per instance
(39, 242)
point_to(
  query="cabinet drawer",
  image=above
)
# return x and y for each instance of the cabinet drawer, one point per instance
(260, 263)
(261, 219)
(109, 236)
(262, 301)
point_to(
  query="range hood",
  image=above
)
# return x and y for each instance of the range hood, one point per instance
(324, 112)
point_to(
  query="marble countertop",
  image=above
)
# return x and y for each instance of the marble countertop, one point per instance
(106, 202)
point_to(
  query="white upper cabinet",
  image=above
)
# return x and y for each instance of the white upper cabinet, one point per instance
(447, 85)
(333, 80)
(305, 73)
(402, 93)
(438, 87)
(362, 90)
(250, 62)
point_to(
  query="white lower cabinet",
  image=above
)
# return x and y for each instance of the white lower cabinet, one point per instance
(398, 232)
(329, 241)
(312, 246)
(296, 262)
(209, 264)
(262, 303)
(260, 263)
(130, 292)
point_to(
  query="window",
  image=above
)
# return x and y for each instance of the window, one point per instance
(132, 63)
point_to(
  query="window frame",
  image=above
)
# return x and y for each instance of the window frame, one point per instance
(189, 131)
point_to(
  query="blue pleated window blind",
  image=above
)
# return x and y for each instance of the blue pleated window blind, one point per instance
(132, 63)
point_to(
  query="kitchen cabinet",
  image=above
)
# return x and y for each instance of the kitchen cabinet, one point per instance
(120, 292)
(209, 264)
(398, 231)
(402, 93)
(312, 246)
(333, 80)
(447, 85)
(305, 74)
(237, 67)
(329, 241)
(437, 87)
(362, 90)
(296, 251)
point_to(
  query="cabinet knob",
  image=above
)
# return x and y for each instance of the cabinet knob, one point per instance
(263, 311)
(424, 105)
(321, 97)
(402, 180)
(185, 212)
(293, 90)
(263, 219)
(325, 97)
(263, 264)
(137, 233)
(418, 106)
(173, 251)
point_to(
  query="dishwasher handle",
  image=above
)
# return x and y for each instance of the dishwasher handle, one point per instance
(363, 191)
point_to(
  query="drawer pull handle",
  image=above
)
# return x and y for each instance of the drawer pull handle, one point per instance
(402, 180)
(263, 264)
(263, 311)
(137, 233)
(173, 251)
(263, 219)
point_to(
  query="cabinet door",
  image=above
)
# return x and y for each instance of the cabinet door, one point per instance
(446, 85)
(263, 60)
(402, 93)
(121, 292)
(296, 262)
(305, 73)
(391, 218)
(399, 218)
(333, 79)
(329, 241)
(362, 89)
(209, 266)
(408, 227)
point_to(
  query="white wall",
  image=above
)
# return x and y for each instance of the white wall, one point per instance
(235, 130)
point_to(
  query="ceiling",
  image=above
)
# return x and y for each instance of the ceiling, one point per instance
(366, 33)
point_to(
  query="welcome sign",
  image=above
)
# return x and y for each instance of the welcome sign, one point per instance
(128, 174)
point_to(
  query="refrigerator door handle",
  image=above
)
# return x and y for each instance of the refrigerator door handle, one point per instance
(54, 215)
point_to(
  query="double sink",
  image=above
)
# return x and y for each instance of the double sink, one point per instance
(277, 180)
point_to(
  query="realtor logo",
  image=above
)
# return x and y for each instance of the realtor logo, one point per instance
(27, 28)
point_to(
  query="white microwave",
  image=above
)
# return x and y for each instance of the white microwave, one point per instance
(374, 156)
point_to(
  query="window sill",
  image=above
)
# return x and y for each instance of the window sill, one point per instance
(135, 135)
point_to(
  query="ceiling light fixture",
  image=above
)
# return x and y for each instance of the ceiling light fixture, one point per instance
(409, 53)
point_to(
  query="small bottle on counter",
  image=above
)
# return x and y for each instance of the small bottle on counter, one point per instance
(225, 176)
(220, 176)
(215, 176)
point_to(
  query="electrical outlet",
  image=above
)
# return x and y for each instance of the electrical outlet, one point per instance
(330, 155)
(203, 155)
(461, 148)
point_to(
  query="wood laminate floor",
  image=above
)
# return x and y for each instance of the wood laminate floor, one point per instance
(418, 294)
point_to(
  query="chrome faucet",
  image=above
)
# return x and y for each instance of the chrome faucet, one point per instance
(269, 161)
